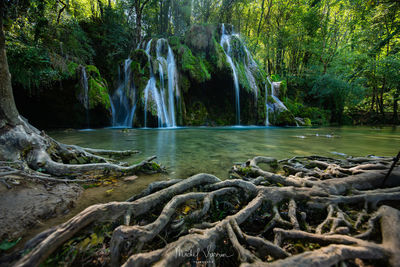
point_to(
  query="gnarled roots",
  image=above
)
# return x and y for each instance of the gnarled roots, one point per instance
(310, 211)
(24, 150)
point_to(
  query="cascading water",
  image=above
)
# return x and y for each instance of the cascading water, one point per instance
(172, 85)
(251, 67)
(225, 41)
(267, 106)
(275, 106)
(123, 101)
(278, 102)
(163, 100)
(85, 98)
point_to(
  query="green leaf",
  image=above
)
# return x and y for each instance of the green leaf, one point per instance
(6, 245)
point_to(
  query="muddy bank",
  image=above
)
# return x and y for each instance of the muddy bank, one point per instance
(28, 205)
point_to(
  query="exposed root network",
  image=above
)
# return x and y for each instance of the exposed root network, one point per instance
(29, 153)
(304, 211)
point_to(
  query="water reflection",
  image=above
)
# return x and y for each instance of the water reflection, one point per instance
(186, 151)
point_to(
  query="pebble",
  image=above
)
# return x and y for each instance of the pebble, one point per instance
(130, 178)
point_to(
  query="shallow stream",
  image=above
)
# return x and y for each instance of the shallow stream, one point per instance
(187, 151)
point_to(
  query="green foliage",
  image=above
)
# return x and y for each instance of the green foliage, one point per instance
(284, 118)
(7, 244)
(72, 40)
(307, 122)
(331, 93)
(184, 83)
(72, 68)
(246, 171)
(337, 56)
(311, 115)
(83, 249)
(30, 66)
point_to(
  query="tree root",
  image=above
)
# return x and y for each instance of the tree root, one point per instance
(37, 151)
(295, 220)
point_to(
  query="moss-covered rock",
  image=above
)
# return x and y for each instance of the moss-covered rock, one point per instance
(218, 57)
(284, 118)
(72, 68)
(307, 122)
(98, 94)
(197, 114)
(193, 65)
(199, 38)
(140, 68)
(98, 90)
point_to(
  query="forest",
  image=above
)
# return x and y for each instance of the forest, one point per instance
(337, 61)
(199, 133)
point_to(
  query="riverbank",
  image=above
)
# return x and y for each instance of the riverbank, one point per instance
(29, 204)
(295, 211)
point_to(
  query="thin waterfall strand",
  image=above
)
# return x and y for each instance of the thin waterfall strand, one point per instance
(225, 41)
(85, 85)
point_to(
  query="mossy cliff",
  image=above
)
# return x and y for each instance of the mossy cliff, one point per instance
(205, 79)
(59, 105)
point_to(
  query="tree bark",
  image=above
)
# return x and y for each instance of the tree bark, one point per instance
(8, 111)
(395, 107)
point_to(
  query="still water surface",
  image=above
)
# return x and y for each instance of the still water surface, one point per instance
(186, 151)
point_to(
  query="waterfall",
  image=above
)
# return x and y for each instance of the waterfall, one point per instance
(278, 102)
(172, 85)
(146, 90)
(267, 106)
(276, 106)
(85, 98)
(163, 98)
(251, 66)
(225, 40)
(123, 104)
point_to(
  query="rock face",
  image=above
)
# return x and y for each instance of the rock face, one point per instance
(206, 77)
(26, 205)
(63, 105)
(205, 93)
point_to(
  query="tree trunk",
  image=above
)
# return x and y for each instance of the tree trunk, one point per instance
(138, 24)
(395, 107)
(165, 17)
(20, 141)
(261, 19)
(8, 111)
(373, 99)
(381, 108)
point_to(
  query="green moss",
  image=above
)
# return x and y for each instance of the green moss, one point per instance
(218, 58)
(197, 114)
(155, 166)
(93, 71)
(72, 68)
(184, 83)
(174, 41)
(284, 118)
(98, 93)
(140, 68)
(307, 122)
(194, 66)
(244, 82)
